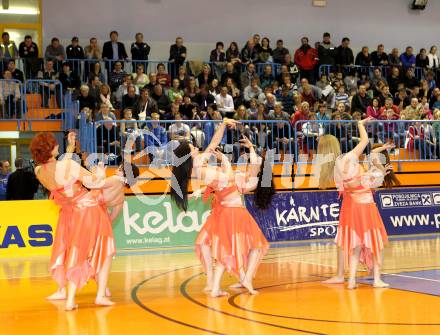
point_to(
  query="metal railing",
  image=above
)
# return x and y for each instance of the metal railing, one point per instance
(345, 69)
(414, 140)
(11, 99)
(155, 139)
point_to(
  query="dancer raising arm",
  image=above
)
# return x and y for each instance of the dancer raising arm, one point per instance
(83, 245)
(230, 237)
(361, 233)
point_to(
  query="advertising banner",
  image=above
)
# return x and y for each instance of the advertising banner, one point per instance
(27, 227)
(152, 222)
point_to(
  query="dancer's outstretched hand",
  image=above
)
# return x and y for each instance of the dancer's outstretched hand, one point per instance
(365, 121)
(245, 142)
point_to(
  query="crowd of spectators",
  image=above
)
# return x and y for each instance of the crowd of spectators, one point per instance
(375, 84)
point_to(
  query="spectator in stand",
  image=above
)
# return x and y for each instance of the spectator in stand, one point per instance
(48, 87)
(225, 103)
(177, 57)
(76, 52)
(361, 100)
(129, 128)
(248, 75)
(341, 96)
(300, 115)
(311, 132)
(182, 76)
(350, 80)
(344, 55)
(104, 112)
(292, 69)
(252, 91)
(179, 131)
(401, 99)
(214, 88)
(204, 98)
(270, 102)
(265, 51)
(8, 49)
(175, 90)
(95, 70)
(316, 91)
(55, 51)
(323, 112)
(412, 112)
(377, 78)
(436, 104)
(306, 58)
(69, 80)
(231, 73)
(379, 57)
(4, 175)
(140, 79)
(117, 76)
(394, 79)
(384, 95)
(374, 110)
(155, 139)
(92, 51)
(249, 53)
(152, 81)
(144, 106)
(433, 61)
(233, 56)
(218, 54)
(29, 51)
(430, 79)
(129, 99)
(161, 99)
(267, 77)
(407, 59)
(108, 137)
(16, 73)
(10, 97)
(285, 96)
(139, 52)
(86, 101)
(389, 105)
(409, 80)
(280, 132)
(326, 51)
(163, 77)
(307, 96)
(191, 89)
(241, 114)
(422, 59)
(105, 96)
(113, 51)
(206, 76)
(394, 58)
(363, 58)
(94, 87)
(22, 184)
(279, 53)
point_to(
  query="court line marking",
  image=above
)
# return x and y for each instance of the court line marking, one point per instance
(413, 277)
(187, 296)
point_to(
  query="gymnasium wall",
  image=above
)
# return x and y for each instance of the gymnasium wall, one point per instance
(203, 22)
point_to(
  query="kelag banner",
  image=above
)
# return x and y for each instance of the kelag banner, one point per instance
(314, 215)
(155, 221)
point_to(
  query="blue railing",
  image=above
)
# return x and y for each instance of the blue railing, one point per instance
(155, 139)
(414, 140)
(12, 99)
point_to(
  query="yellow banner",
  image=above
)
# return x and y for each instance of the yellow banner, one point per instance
(27, 227)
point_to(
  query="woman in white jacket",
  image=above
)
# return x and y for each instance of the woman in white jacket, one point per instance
(433, 62)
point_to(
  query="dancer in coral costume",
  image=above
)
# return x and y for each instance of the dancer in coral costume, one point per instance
(230, 238)
(83, 244)
(361, 233)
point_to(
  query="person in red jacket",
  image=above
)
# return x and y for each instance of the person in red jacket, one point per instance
(306, 58)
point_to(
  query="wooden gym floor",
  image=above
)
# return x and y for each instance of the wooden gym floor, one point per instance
(160, 292)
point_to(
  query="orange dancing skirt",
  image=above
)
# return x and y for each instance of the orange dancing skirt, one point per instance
(231, 233)
(83, 239)
(360, 225)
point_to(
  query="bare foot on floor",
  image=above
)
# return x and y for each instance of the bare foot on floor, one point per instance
(334, 280)
(237, 285)
(207, 289)
(248, 286)
(58, 295)
(103, 301)
(216, 294)
(108, 293)
(352, 285)
(380, 284)
(71, 307)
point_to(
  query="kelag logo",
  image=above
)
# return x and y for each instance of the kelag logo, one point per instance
(38, 235)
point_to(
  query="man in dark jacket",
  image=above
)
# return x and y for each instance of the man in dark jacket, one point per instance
(279, 52)
(361, 100)
(204, 98)
(22, 184)
(326, 51)
(76, 52)
(139, 52)
(344, 55)
(113, 50)
(177, 57)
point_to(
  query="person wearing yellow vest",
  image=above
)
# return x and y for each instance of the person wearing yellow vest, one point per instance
(8, 49)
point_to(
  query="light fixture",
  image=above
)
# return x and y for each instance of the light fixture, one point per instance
(419, 4)
(20, 11)
(319, 3)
